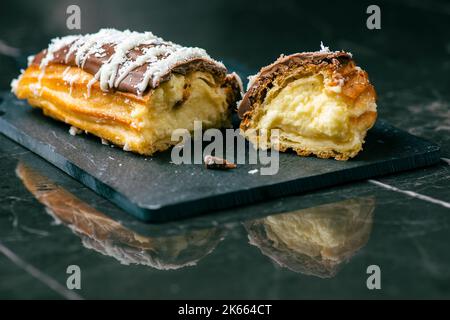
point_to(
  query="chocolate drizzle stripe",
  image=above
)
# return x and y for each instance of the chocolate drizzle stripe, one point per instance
(125, 60)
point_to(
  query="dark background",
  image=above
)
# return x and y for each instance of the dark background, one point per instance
(408, 61)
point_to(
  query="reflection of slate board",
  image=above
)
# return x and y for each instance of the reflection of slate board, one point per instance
(153, 189)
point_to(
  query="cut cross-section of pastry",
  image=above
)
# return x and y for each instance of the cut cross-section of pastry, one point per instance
(131, 89)
(320, 102)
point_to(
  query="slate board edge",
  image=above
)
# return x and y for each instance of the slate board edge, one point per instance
(223, 201)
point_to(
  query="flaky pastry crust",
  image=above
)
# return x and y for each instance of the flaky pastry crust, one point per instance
(342, 81)
(121, 118)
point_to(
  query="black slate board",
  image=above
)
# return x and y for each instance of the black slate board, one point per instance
(153, 189)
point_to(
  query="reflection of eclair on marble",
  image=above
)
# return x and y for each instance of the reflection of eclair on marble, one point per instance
(321, 102)
(131, 89)
(315, 241)
(108, 237)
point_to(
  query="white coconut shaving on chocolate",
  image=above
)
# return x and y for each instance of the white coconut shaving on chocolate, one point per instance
(160, 57)
(323, 48)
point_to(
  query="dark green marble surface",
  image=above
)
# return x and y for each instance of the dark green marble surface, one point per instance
(400, 222)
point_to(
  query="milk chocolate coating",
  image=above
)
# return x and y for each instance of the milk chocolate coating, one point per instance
(133, 78)
(262, 82)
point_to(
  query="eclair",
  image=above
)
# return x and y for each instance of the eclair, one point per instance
(130, 89)
(321, 104)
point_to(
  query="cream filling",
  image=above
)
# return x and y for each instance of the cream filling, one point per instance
(310, 115)
(177, 103)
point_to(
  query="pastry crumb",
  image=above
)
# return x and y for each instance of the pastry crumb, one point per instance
(74, 131)
(212, 162)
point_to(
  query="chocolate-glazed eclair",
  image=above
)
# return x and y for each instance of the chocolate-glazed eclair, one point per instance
(321, 103)
(128, 88)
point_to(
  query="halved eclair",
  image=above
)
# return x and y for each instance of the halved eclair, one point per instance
(321, 103)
